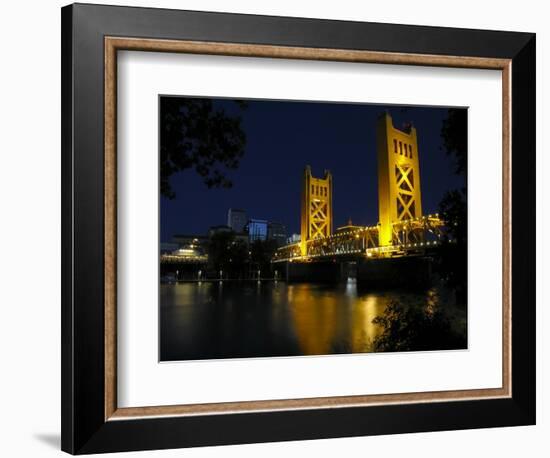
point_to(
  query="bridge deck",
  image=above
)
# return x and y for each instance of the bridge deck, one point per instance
(409, 238)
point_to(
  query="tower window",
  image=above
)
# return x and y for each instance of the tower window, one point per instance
(401, 148)
(410, 151)
(395, 146)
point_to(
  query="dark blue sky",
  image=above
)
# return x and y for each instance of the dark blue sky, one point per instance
(282, 138)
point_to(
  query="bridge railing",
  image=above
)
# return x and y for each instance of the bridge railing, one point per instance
(287, 252)
(347, 242)
(428, 228)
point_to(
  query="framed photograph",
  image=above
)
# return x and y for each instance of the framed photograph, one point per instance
(280, 228)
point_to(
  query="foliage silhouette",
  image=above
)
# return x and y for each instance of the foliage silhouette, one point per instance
(232, 255)
(455, 139)
(261, 254)
(452, 264)
(227, 253)
(195, 133)
(416, 328)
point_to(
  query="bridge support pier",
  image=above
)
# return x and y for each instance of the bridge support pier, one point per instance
(406, 272)
(414, 272)
(313, 272)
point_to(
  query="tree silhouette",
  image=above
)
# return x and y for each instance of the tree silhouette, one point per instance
(262, 252)
(453, 263)
(195, 133)
(416, 327)
(219, 250)
(455, 139)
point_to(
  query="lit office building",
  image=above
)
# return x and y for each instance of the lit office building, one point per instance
(294, 238)
(257, 229)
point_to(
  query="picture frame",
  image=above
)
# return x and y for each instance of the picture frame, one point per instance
(92, 35)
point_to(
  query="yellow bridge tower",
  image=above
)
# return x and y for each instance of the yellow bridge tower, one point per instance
(316, 221)
(399, 197)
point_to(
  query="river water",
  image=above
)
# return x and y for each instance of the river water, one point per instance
(212, 320)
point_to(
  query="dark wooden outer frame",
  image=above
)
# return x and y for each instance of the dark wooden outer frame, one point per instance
(115, 44)
(90, 420)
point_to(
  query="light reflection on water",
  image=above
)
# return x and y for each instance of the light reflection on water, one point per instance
(211, 320)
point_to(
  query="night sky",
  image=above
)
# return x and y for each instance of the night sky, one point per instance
(282, 138)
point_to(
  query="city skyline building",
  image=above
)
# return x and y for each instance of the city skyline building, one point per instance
(220, 228)
(349, 226)
(237, 220)
(257, 229)
(293, 238)
(277, 232)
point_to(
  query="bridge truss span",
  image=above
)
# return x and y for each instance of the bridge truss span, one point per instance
(410, 237)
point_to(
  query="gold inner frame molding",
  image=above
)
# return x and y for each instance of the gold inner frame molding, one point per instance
(114, 44)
